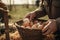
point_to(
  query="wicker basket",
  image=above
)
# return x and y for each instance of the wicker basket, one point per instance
(29, 34)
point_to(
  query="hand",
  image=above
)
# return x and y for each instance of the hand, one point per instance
(50, 27)
(31, 15)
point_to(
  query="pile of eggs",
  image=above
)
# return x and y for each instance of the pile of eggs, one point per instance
(32, 25)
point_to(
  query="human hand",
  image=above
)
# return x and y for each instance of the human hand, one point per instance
(50, 27)
(30, 15)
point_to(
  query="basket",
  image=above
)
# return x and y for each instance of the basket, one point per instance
(29, 34)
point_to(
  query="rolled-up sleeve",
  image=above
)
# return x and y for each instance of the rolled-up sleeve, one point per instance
(40, 12)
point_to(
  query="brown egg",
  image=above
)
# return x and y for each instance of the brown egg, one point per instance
(31, 24)
(26, 22)
(23, 26)
(35, 21)
(28, 27)
(15, 36)
(34, 26)
(40, 27)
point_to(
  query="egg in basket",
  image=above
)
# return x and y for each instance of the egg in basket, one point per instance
(31, 30)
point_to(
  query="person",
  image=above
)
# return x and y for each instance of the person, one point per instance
(52, 9)
(3, 9)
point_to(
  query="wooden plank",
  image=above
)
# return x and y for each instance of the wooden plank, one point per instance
(6, 26)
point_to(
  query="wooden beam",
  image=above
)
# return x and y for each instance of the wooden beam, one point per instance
(6, 26)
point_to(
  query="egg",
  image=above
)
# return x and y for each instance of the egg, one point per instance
(31, 24)
(26, 22)
(28, 27)
(40, 27)
(35, 21)
(26, 19)
(23, 26)
(34, 26)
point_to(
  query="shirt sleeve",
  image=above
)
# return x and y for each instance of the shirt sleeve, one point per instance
(40, 12)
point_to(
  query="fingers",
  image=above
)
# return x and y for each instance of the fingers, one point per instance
(49, 28)
(49, 31)
(46, 27)
(30, 16)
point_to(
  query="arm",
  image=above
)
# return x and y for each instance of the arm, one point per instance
(36, 13)
(40, 12)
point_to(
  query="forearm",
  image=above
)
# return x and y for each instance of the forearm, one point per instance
(39, 12)
(36, 14)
